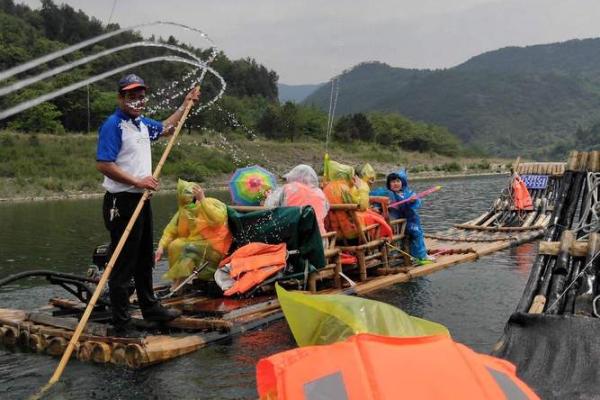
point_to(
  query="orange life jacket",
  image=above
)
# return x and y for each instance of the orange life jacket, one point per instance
(372, 367)
(521, 196)
(253, 263)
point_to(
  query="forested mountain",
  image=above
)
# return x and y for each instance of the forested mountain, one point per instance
(517, 100)
(296, 93)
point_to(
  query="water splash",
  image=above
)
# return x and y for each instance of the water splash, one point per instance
(63, 68)
(68, 50)
(161, 98)
(49, 96)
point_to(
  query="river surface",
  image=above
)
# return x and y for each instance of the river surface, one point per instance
(473, 300)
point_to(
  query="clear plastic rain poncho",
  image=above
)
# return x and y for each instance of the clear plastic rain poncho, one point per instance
(302, 189)
(198, 232)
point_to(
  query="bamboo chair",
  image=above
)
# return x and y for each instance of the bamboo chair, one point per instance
(399, 238)
(370, 250)
(332, 269)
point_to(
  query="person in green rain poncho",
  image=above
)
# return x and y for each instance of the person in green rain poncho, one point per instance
(197, 233)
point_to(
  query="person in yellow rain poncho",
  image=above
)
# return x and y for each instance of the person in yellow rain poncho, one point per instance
(197, 233)
(342, 186)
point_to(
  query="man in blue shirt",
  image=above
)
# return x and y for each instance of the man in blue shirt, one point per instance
(124, 158)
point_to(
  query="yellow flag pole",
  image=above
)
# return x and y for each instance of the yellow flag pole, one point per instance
(111, 263)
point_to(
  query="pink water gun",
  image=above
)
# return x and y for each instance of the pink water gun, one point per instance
(416, 196)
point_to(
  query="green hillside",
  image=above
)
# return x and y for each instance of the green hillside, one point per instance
(529, 101)
(250, 106)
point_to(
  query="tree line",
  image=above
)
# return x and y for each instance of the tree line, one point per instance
(251, 103)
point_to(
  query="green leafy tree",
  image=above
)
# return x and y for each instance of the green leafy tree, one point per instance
(44, 118)
(288, 117)
(270, 123)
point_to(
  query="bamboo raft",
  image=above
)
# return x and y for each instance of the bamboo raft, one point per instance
(380, 263)
(552, 335)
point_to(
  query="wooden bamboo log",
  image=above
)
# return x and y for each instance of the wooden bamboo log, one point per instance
(101, 352)
(499, 228)
(572, 161)
(595, 166)
(529, 220)
(362, 265)
(579, 248)
(84, 352)
(135, 356)
(69, 323)
(23, 339)
(201, 324)
(2, 333)
(11, 335)
(491, 219)
(37, 342)
(118, 354)
(161, 349)
(253, 309)
(56, 346)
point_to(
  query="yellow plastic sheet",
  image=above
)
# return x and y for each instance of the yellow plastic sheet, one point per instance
(326, 319)
(333, 170)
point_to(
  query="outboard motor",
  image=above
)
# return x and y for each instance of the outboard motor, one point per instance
(100, 258)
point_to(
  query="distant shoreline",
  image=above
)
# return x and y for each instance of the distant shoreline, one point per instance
(214, 186)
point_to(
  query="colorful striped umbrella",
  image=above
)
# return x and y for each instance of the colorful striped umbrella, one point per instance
(248, 185)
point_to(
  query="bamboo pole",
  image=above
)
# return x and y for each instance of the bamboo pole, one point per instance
(104, 279)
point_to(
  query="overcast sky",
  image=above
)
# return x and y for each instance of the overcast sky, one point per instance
(309, 41)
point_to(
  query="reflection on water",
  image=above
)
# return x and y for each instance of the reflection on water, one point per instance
(473, 300)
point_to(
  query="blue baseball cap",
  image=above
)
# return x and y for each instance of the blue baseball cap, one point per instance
(130, 82)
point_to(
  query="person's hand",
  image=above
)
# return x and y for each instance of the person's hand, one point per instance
(193, 95)
(198, 193)
(412, 198)
(158, 255)
(356, 180)
(148, 182)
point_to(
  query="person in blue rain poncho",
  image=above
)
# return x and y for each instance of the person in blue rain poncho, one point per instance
(397, 189)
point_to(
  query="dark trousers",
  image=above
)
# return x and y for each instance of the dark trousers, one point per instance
(137, 256)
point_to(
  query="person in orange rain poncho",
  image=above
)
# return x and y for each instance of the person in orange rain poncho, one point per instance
(197, 233)
(342, 186)
(301, 189)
